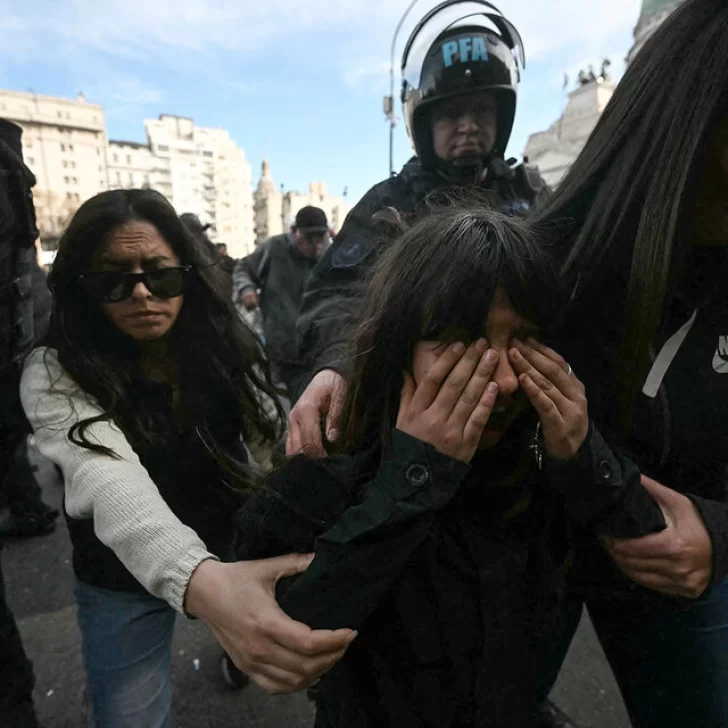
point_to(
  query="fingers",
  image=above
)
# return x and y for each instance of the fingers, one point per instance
(408, 390)
(304, 430)
(481, 414)
(543, 403)
(429, 386)
(277, 680)
(550, 370)
(455, 386)
(335, 408)
(472, 395)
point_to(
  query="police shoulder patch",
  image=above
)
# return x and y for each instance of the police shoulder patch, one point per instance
(352, 252)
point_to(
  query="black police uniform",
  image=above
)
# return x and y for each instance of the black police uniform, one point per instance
(329, 303)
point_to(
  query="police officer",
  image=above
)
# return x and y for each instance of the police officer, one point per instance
(17, 237)
(459, 96)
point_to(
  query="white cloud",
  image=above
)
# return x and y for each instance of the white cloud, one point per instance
(154, 28)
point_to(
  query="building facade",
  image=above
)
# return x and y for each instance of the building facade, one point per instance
(64, 145)
(198, 170)
(653, 14)
(275, 210)
(555, 149)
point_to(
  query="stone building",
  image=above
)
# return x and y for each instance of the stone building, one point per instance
(129, 164)
(64, 144)
(268, 206)
(275, 210)
(555, 149)
(198, 170)
(653, 14)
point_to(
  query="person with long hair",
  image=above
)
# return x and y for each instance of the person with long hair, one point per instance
(151, 395)
(442, 527)
(641, 221)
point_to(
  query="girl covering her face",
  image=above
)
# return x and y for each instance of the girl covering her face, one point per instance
(441, 530)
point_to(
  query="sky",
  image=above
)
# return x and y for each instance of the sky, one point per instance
(300, 82)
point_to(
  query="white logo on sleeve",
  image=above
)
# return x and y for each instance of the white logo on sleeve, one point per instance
(720, 358)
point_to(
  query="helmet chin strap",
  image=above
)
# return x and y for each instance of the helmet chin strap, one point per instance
(472, 170)
(465, 170)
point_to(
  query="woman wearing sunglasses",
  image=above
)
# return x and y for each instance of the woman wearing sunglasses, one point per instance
(150, 393)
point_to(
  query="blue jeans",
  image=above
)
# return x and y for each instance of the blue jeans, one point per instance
(127, 647)
(671, 662)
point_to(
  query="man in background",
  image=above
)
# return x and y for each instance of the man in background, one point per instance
(275, 277)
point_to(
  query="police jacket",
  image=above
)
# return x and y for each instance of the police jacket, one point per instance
(679, 435)
(280, 272)
(329, 302)
(451, 573)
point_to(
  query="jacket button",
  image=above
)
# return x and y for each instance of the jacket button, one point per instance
(605, 470)
(417, 475)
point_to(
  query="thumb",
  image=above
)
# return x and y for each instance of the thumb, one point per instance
(668, 499)
(282, 566)
(336, 404)
(408, 390)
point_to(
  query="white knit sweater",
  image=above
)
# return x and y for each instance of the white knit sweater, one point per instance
(129, 514)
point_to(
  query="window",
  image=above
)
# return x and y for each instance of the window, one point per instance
(207, 154)
(116, 157)
(65, 164)
(131, 178)
(163, 148)
(63, 147)
(70, 147)
(60, 114)
(98, 152)
(31, 161)
(75, 180)
(69, 195)
(65, 179)
(73, 165)
(29, 144)
(118, 178)
(128, 158)
(77, 197)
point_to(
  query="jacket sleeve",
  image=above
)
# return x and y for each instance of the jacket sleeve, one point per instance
(361, 548)
(715, 517)
(250, 272)
(602, 492)
(129, 514)
(329, 302)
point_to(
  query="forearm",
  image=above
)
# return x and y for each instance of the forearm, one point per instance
(128, 513)
(364, 552)
(601, 491)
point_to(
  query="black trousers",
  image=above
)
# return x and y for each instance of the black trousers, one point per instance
(16, 672)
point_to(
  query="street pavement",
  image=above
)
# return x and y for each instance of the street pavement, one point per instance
(39, 582)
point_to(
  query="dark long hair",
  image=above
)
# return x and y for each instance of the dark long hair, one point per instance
(219, 358)
(628, 198)
(437, 282)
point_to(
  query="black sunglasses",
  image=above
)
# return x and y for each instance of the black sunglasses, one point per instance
(112, 287)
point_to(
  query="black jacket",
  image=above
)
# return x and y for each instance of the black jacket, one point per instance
(280, 272)
(679, 436)
(329, 302)
(451, 573)
(189, 479)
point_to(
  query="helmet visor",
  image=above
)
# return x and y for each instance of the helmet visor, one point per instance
(453, 15)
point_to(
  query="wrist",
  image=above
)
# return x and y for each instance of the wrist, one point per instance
(202, 587)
